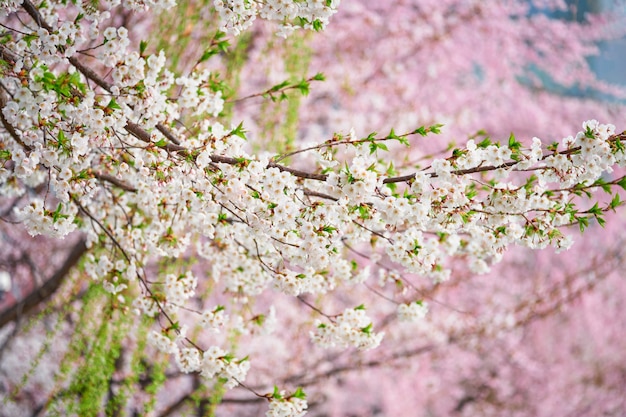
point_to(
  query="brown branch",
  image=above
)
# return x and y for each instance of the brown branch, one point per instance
(32, 11)
(311, 193)
(409, 177)
(111, 179)
(167, 133)
(173, 146)
(375, 363)
(44, 292)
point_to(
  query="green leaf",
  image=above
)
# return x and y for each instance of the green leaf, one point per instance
(142, 47)
(501, 230)
(28, 38)
(278, 87)
(328, 229)
(374, 146)
(436, 128)
(595, 210)
(457, 153)
(301, 21)
(600, 220)
(259, 319)
(239, 131)
(553, 146)
(484, 143)
(530, 182)
(472, 192)
(368, 329)
(57, 214)
(223, 45)
(62, 140)
(420, 130)
(113, 105)
(615, 202)
(207, 54)
(392, 135)
(467, 216)
(82, 175)
(364, 212)
(619, 146)
(371, 137)
(299, 393)
(222, 218)
(317, 25)
(514, 145)
(604, 185)
(303, 86)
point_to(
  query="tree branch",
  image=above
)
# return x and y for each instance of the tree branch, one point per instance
(44, 292)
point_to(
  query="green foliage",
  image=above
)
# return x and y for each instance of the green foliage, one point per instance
(280, 113)
(66, 84)
(515, 147)
(5, 154)
(299, 393)
(84, 383)
(79, 343)
(36, 361)
(155, 375)
(615, 202)
(276, 394)
(218, 45)
(176, 27)
(129, 384)
(239, 131)
(234, 62)
(97, 348)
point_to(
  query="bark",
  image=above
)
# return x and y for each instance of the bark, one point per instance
(44, 292)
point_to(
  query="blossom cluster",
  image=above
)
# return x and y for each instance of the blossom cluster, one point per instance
(292, 407)
(413, 311)
(212, 363)
(351, 328)
(238, 15)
